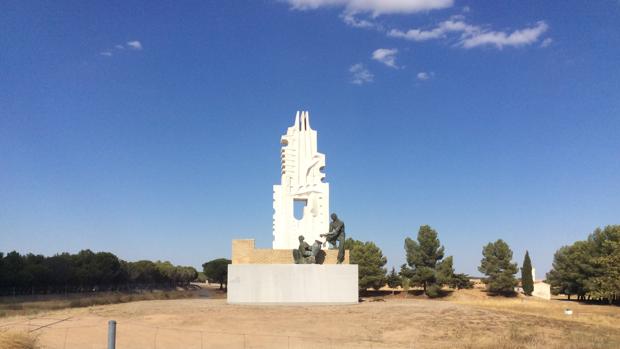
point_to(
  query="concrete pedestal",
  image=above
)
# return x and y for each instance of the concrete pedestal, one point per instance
(292, 284)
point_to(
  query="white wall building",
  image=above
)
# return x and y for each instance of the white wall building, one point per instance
(302, 184)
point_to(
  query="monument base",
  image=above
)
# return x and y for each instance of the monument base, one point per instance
(292, 284)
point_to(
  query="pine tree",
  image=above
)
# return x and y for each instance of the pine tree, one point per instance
(496, 264)
(370, 262)
(425, 257)
(393, 280)
(217, 271)
(527, 280)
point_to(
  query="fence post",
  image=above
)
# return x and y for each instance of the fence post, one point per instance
(155, 338)
(111, 334)
(64, 342)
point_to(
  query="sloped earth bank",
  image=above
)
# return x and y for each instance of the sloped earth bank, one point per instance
(463, 320)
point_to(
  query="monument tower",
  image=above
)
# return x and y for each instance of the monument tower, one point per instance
(298, 269)
(302, 183)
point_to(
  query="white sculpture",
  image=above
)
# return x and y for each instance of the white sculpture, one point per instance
(302, 181)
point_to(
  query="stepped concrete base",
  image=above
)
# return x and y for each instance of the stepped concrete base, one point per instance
(292, 284)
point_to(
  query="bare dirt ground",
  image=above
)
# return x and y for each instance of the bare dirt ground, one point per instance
(466, 319)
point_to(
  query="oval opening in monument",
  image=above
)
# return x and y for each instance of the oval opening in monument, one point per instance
(298, 208)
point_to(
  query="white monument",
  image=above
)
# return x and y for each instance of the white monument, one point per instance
(303, 184)
(270, 276)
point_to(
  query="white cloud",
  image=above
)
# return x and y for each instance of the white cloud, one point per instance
(106, 53)
(546, 42)
(386, 56)
(134, 45)
(352, 21)
(119, 47)
(473, 35)
(424, 76)
(376, 7)
(519, 37)
(360, 75)
(445, 27)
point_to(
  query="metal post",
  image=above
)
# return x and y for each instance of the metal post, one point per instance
(111, 334)
(64, 343)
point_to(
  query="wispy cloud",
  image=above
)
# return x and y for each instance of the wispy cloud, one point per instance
(350, 20)
(473, 36)
(423, 76)
(546, 42)
(375, 7)
(440, 31)
(134, 45)
(386, 56)
(360, 75)
(519, 37)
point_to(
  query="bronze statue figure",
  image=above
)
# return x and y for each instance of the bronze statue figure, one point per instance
(306, 254)
(336, 235)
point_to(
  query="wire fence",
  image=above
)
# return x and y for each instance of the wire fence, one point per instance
(59, 333)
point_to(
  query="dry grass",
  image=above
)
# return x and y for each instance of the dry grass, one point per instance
(18, 340)
(465, 319)
(25, 306)
(528, 337)
(591, 314)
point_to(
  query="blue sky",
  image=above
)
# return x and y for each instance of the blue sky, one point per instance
(151, 129)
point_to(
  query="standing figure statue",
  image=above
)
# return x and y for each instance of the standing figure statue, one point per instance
(306, 254)
(336, 234)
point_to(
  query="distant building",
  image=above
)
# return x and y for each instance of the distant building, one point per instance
(541, 288)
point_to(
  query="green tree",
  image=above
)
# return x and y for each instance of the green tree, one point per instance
(13, 266)
(605, 259)
(564, 274)
(461, 281)
(573, 268)
(370, 263)
(201, 277)
(393, 279)
(497, 266)
(217, 271)
(425, 259)
(527, 280)
(84, 271)
(2, 272)
(144, 273)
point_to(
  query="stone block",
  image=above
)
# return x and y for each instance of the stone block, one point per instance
(292, 284)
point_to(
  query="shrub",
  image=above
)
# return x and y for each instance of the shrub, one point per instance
(18, 340)
(433, 291)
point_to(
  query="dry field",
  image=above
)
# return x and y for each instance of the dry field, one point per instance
(466, 319)
(30, 305)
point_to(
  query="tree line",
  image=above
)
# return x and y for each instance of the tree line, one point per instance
(430, 269)
(85, 271)
(589, 269)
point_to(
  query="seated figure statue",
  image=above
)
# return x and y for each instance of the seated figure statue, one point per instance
(306, 254)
